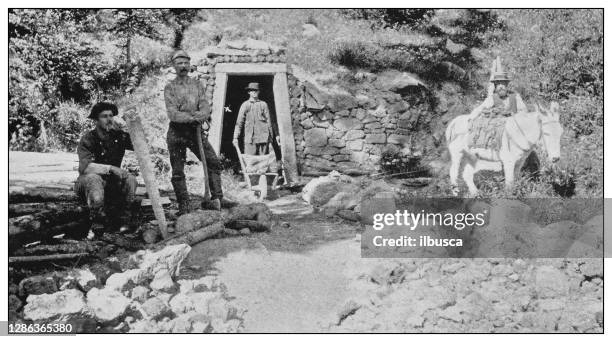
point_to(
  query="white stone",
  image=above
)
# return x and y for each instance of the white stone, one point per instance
(54, 305)
(106, 304)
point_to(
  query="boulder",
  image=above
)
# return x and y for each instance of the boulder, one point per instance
(86, 279)
(338, 102)
(320, 190)
(342, 200)
(155, 308)
(48, 307)
(168, 259)
(396, 81)
(140, 294)
(36, 285)
(107, 305)
(162, 281)
(125, 280)
(196, 220)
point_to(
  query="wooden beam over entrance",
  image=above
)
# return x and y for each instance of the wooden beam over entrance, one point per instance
(250, 68)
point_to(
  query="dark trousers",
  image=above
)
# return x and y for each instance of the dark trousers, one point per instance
(256, 149)
(183, 136)
(106, 196)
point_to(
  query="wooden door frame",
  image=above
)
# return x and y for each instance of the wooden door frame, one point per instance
(281, 104)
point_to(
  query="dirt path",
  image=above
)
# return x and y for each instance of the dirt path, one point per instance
(291, 279)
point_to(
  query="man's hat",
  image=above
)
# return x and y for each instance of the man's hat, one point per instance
(497, 72)
(500, 77)
(180, 54)
(253, 86)
(100, 107)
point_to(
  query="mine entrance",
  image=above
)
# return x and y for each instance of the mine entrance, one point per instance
(236, 94)
(230, 81)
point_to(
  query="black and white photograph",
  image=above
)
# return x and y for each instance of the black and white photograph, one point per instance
(304, 170)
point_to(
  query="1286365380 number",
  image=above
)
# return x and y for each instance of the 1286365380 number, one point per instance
(34, 328)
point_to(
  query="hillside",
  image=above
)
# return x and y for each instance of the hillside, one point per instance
(450, 51)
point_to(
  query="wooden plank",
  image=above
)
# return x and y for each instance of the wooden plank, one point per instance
(216, 125)
(285, 129)
(163, 200)
(250, 68)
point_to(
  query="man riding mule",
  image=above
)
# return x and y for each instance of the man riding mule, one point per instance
(514, 132)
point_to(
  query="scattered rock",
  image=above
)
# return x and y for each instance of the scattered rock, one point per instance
(36, 285)
(107, 305)
(140, 294)
(348, 215)
(155, 308)
(47, 307)
(320, 190)
(86, 279)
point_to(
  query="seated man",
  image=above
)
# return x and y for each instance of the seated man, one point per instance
(254, 117)
(500, 101)
(107, 189)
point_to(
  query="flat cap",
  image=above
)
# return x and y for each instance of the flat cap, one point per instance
(180, 54)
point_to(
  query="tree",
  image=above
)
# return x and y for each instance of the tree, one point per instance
(180, 19)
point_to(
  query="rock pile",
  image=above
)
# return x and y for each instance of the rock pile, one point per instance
(143, 298)
(480, 295)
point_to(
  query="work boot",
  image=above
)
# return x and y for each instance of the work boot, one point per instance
(213, 204)
(183, 208)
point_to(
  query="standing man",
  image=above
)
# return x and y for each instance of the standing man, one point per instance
(254, 117)
(106, 188)
(187, 108)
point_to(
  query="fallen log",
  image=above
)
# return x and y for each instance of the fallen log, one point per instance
(21, 209)
(45, 258)
(45, 225)
(253, 225)
(255, 211)
(197, 219)
(21, 194)
(71, 247)
(193, 237)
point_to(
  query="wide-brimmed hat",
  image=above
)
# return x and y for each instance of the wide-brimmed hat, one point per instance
(180, 54)
(100, 107)
(253, 86)
(500, 77)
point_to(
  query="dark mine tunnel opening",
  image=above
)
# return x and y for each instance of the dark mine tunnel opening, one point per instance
(236, 94)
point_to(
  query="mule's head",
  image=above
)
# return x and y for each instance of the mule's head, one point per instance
(551, 131)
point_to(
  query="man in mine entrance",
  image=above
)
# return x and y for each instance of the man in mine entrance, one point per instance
(254, 118)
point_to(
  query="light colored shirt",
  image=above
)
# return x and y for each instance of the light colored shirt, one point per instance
(186, 100)
(254, 117)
